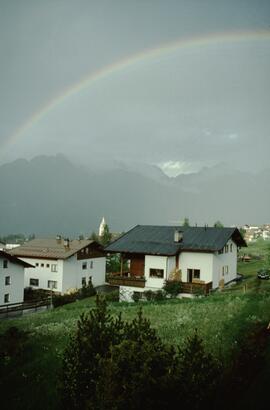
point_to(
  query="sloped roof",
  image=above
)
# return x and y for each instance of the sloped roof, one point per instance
(13, 259)
(159, 240)
(51, 248)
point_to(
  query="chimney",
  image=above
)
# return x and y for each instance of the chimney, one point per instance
(178, 236)
(58, 238)
(66, 243)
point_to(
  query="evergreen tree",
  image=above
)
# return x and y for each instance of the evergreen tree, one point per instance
(106, 236)
(186, 222)
(218, 224)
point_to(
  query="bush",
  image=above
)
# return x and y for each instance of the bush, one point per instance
(60, 300)
(112, 296)
(35, 294)
(172, 287)
(151, 295)
(136, 296)
(87, 290)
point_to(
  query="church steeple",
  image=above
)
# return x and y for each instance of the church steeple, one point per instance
(101, 226)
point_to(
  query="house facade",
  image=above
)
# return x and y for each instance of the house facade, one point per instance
(62, 265)
(12, 278)
(202, 258)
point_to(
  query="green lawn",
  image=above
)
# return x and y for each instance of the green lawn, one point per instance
(221, 319)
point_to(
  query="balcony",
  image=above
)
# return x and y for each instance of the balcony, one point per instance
(196, 288)
(125, 280)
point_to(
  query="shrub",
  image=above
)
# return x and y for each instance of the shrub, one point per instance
(35, 294)
(136, 296)
(112, 296)
(172, 287)
(60, 300)
(87, 290)
(151, 295)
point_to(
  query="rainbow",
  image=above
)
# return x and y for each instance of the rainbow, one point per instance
(133, 60)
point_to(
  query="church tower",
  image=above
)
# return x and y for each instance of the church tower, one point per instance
(101, 227)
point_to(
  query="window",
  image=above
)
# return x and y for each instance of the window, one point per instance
(47, 265)
(33, 282)
(52, 284)
(225, 269)
(53, 267)
(156, 273)
(6, 298)
(5, 263)
(42, 265)
(231, 248)
(226, 248)
(91, 264)
(84, 281)
(193, 274)
(7, 280)
(37, 264)
(84, 265)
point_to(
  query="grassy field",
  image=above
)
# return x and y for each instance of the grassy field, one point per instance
(221, 319)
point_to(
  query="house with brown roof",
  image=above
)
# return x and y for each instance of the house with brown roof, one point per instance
(201, 258)
(62, 264)
(12, 278)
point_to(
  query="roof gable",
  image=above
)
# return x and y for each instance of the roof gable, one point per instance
(15, 260)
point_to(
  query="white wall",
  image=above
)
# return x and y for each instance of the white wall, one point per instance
(225, 259)
(43, 274)
(69, 272)
(73, 272)
(15, 289)
(155, 262)
(210, 265)
(196, 260)
(171, 264)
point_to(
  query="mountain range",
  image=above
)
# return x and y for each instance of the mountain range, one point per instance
(49, 195)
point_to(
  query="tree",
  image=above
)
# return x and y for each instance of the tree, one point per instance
(94, 237)
(218, 224)
(106, 236)
(186, 222)
(242, 231)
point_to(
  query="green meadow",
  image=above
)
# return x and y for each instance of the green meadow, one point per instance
(221, 319)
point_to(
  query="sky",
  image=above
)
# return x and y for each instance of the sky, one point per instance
(181, 84)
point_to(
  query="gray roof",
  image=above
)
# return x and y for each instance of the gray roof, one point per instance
(159, 240)
(13, 259)
(50, 248)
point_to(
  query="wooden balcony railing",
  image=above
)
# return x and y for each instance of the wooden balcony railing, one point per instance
(118, 280)
(196, 288)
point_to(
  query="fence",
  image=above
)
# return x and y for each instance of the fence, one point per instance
(5, 310)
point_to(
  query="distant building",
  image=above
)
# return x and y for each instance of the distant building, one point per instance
(62, 264)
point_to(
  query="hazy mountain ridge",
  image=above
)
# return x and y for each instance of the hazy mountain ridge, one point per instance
(49, 194)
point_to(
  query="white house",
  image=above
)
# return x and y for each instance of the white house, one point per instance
(62, 264)
(202, 258)
(11, 278)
